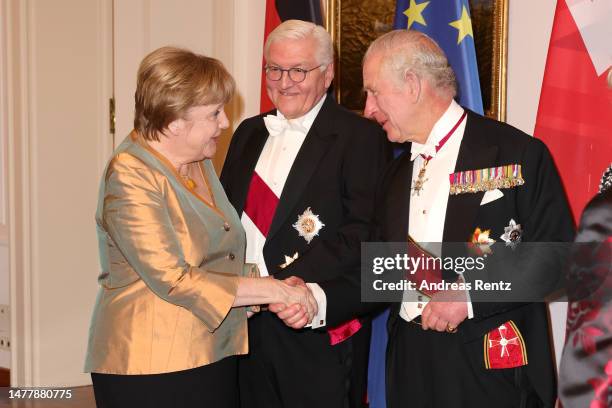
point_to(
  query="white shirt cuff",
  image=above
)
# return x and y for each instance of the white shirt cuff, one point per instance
(321, 298)
(468, 299)
(469, 305)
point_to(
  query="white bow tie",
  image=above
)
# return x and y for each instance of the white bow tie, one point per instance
(424, 149)
(276, 125)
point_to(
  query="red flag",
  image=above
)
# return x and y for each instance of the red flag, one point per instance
(272, 21)
(575, 112)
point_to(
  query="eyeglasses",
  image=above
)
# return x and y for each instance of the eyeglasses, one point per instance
(295, 74)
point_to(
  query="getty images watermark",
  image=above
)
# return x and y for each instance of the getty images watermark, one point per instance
(528, 272)
(410, 266)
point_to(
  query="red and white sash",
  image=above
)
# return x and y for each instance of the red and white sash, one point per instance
(259, 209)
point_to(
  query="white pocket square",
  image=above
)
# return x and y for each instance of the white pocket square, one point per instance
(491, 195)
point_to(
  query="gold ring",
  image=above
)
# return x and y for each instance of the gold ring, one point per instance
(450, 329)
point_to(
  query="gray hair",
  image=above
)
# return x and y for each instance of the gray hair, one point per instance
(298, 30)
(412, 51)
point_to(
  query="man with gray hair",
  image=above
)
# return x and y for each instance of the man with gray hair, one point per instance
(302, 178)
(462, 174)
(463, 177)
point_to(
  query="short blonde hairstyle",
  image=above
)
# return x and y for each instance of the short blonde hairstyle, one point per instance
(412, 51)
(299, 30)
(171, 81)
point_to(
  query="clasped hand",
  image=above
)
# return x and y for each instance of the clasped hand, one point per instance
(299, 307)
(445, 311)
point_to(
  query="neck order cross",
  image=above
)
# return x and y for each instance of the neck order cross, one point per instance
(420, 181)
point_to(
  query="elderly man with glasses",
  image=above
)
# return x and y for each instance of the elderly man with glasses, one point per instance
(302, 179)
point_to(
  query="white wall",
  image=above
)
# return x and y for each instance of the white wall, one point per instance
(245, 62)
(529, 34)
(5, 356)
(238, 31)
(58, 85)
(230, 31)
(140, 26)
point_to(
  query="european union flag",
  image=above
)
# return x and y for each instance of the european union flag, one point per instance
(376, 361)
(449, 23)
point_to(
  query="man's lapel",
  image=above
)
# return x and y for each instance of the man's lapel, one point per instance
(398, 200)
(397, 212)
(246, 165)
(475, 153)
(318, 141)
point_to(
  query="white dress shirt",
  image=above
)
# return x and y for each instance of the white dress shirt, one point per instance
(273, 166)
(428, 207)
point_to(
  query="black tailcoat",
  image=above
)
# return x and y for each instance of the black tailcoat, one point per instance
(540, 206)
(335, 174)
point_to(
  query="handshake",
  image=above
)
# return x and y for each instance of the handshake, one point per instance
(298, 307)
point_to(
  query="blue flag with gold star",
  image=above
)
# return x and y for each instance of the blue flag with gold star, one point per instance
(449, 23)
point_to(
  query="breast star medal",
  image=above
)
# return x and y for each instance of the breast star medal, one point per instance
(512, 234)
(308, 225)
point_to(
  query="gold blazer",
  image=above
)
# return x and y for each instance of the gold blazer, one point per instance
(170, 264)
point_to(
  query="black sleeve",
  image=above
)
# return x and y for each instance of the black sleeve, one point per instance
(344, 294)
(364, 158)
(231, 157)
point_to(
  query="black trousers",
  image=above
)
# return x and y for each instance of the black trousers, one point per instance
(287, 368)
(429, 369)
(214, 385)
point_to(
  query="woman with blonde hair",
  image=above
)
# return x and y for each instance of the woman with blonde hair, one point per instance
(170, 315)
